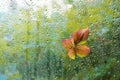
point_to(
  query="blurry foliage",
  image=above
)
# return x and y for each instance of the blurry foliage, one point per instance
(30, 47)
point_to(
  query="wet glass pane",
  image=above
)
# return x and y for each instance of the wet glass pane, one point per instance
(59, 40)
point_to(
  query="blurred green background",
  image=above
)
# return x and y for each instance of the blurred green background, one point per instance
(30, 42)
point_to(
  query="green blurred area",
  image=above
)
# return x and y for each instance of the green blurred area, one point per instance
(30, 43)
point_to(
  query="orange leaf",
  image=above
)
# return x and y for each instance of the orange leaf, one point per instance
(82, 51)
(85, 34)
(67, 43)
(76, 36)
(71, 53)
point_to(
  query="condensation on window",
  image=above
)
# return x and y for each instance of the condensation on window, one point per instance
(32, 35)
